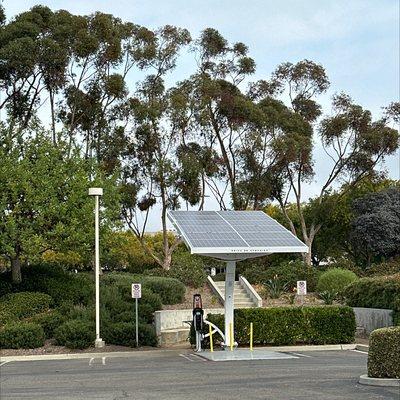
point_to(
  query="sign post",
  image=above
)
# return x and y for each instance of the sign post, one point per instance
(136, 294)
(301, 289)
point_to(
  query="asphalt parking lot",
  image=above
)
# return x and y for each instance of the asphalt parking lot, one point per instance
(183, 375)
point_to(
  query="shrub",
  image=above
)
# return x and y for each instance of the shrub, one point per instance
(335, 280)
(171, 290)
(61, 285)
(291, 325)
(288, 272)
(188, 269)
(75, 334)
(5, 286)
(15, 306)
(23, 335)
(123, 333)
(385, 268)
(378, 292)
(384, 353)
(275, 287)
(327, 297)
(49, 321)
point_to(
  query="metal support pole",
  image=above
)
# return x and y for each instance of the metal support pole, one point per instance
(137, 322)
(98, 341)
(229, 301)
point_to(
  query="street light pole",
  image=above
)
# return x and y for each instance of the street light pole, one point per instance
(97, 192)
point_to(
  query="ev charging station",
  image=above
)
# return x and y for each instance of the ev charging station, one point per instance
(230, 236)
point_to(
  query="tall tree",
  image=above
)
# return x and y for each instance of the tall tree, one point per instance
(43, 201)
(354, 144)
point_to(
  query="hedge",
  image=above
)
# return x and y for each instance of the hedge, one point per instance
(292, 325)
(124, 334)
(378, 292)
(384, 353)
(75, 334)
(15, 306)
(25, 335)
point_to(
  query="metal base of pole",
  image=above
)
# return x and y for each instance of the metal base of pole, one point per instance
(99, 343)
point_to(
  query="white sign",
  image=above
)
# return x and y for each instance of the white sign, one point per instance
(136, 291)
(301, 288)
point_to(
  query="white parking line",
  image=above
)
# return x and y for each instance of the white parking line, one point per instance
(103, 360)
(90, 362)
(300, 355)
(199, 357)
(4, 362)
(187, 358)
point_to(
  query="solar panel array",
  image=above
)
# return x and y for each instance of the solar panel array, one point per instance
(232, 229)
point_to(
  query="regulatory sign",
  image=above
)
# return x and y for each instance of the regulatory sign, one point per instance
(301, 288)
(136, 291)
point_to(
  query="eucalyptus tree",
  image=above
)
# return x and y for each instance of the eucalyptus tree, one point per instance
(153, 174)
(354, 144)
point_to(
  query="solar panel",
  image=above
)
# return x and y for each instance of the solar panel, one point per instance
(234, 232)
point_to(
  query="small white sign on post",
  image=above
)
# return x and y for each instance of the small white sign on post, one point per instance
(136, 291)
(301, 288)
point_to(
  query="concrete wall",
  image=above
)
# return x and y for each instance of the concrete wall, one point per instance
(171, 319)
(373, 318)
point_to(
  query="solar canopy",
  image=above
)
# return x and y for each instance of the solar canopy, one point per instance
(234, 235)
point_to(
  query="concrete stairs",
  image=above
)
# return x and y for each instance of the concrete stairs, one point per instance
(240, 296)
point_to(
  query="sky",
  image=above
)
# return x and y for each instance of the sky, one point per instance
(356, 41)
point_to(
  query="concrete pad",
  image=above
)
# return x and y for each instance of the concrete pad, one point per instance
(244, 354)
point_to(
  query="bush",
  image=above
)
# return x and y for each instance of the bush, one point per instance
(15, 306)
(61, 285)
(75, 334)
(171, 290)
(5, 286)
(384, 353)
(49, 321)
(386, 268)
(123, 334)
(23, 335)
(291, 325)
(335, 280)
(189, 269)
(378, 292)
(288, 272)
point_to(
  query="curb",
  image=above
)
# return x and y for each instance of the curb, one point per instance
(362, 347)
(72, 356)
(388, 382)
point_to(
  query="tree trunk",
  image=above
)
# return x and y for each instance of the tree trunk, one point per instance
(16, 270)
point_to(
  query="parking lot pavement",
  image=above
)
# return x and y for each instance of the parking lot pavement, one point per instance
(170, 375)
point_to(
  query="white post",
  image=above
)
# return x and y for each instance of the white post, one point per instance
(229, 300)
(96, 192)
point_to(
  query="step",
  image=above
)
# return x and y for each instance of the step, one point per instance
(173, 336)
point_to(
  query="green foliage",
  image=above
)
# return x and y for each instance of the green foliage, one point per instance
(188, 268)
(49, 321)
(21, 335)
(275, 287)
(123, 333)
(171, 290)
(20, 305)
(75, 334)
(335, 280)
(5, 286)
(384, 353)
(376, 227)
(292, 325)
(377, 292)
(62, 286)
(327, 297)
(391, 267)
(288, 272)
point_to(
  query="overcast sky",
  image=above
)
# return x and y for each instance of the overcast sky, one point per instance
(357, 41)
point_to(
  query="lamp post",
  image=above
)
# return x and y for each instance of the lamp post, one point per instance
(97, 192)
